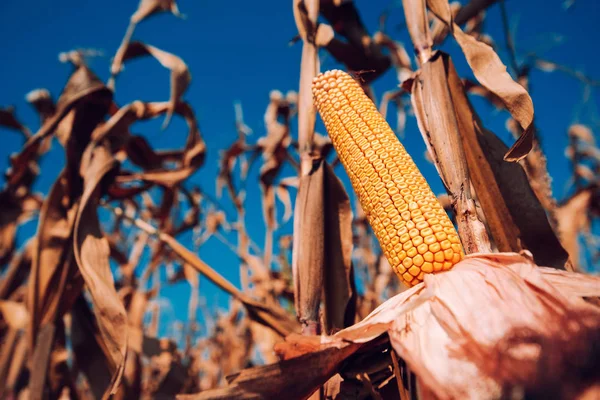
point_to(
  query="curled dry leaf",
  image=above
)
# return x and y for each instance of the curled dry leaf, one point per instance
(147, 8)
(82, 89)
(9, 120)
(92, 253)
(227, 162)
(180, 74)
(512, 211)
(462, 13)
(187, 160)
(491, 73)
(41, 100)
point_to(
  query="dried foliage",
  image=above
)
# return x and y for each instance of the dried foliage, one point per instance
(320, 312)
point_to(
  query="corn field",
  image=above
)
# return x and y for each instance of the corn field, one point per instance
(375, 273)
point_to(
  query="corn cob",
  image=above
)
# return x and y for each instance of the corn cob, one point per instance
(414, 231)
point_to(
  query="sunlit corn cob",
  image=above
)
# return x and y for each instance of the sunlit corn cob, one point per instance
(413, 229)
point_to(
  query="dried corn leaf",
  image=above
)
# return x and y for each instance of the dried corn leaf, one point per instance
(188, 160)
(50, 270)
(299, 376)
(572, 218)
(227, 162)
(272, 316)
(146, 8)
(513, 212)
(495, 348)
(9, 120)
(18, 270)
(583, 133)
(89, 349)
(462, 13)
(14, 314)
(41, 100)
(322, 255)
(16, 209)
(491, 73)
(84, 91)
(282, 192)
(180, 75)
(439, 325)
(92, 253)
(17, 363)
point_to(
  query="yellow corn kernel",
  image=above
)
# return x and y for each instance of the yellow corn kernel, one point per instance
(398, 202)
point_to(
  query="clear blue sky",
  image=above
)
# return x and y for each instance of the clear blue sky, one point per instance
(238, 51)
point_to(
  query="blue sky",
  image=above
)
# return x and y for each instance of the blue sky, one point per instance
(238, 51)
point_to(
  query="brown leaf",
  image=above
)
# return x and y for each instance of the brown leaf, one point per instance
(188, 160)
(180, 75)
(451, 320)
(491, 73)
(321, 259)
(283, 194)
(14, 314)
(297, 345)
(9, 120)
(300, 376)
(272, 316)
(51, 268)
(41, 100)
(92, 253)
(437, 327)
(12, 360)
(227, 162)
(146, 8)
(18, 270)
(572, 218)
(83, 91)
(513, 213)
(582, 132)
(17, 208)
